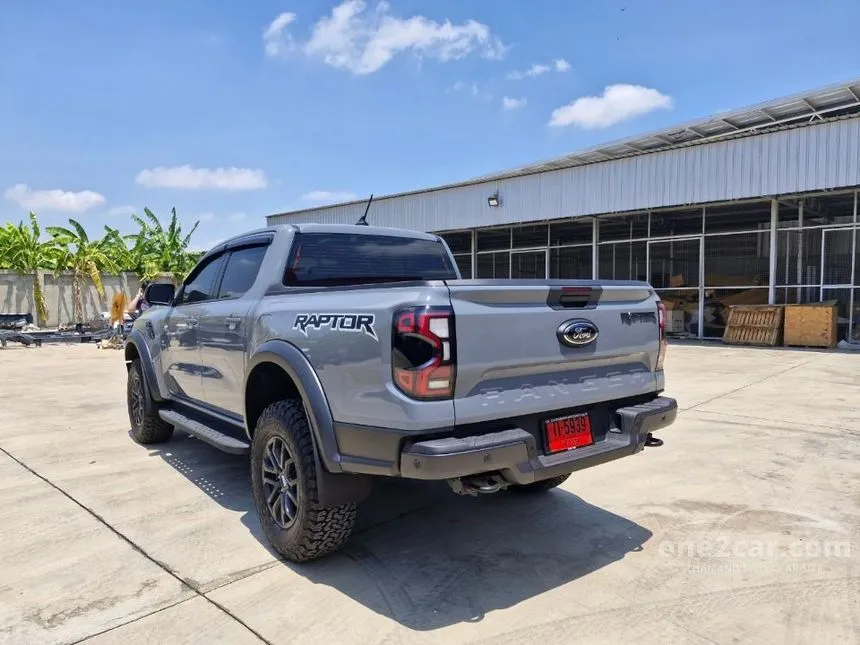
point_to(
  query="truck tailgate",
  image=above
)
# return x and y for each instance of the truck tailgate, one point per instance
(511, 360)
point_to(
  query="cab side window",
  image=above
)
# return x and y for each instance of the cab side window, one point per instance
(241, 271)
(202, 285)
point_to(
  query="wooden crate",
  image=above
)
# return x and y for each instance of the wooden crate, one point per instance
(811, 325)
(759, 325)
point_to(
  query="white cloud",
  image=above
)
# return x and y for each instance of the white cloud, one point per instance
(53, 200)
(617, 103)
(209, 216)
(509, 103)
(472, 88)
(189, 178)
(531, 72)
(538, 69)
(362, 42)
(561, 65)
(275, 40)
(118, 211)
(326, 196)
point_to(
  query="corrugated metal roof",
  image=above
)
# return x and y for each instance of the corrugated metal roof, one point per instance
(798, 109)
(806, 108)
(788, 160)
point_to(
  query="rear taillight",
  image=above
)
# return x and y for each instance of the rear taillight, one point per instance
(661, 324)
(423, 352)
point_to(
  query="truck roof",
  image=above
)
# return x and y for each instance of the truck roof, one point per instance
(364, 230)
(330, 228)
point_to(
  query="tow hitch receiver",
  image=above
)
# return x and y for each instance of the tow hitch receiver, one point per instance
(475, 485)
(652, 442)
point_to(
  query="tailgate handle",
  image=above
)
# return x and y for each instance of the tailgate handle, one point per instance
(573, 297)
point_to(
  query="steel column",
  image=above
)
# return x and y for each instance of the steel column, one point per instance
(648, 251)
(774, 220)
(546, 252)
(853, 275)
(474, 254)
(800, 277)
(595, 249)
(701, 330)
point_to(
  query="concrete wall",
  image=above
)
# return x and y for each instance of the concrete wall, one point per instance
(16, 294)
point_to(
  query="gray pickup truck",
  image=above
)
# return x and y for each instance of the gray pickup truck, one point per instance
(337, 354)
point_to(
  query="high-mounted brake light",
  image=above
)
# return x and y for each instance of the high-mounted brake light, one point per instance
(661, 324)
(423, 356)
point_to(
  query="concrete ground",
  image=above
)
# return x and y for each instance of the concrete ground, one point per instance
(743, 528)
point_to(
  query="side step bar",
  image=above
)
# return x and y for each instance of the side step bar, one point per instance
(223, 442)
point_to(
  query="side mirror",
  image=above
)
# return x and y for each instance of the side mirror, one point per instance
(159, 293)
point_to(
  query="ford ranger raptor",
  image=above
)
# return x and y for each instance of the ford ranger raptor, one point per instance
(337, 354)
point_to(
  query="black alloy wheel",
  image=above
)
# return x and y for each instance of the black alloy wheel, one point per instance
(137, 400)
(280, 483)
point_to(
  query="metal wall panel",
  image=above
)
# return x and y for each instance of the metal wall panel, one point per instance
(815, 157)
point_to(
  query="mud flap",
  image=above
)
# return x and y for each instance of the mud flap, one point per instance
(340, 488)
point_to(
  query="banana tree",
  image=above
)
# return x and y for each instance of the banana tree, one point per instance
(163, 250)
(23, 251)
(86, 258)
(6, 244)
(125, 257)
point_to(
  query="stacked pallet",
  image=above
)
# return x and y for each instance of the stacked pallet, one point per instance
(759, 325)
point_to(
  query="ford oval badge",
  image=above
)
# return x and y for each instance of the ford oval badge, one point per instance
(577, 333)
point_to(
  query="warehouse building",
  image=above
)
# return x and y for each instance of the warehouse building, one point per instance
(753, 206)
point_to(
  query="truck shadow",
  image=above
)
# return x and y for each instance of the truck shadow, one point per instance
(427, 558)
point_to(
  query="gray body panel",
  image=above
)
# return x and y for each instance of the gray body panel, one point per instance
(223, 353)
(355, 367)
(510, 362)
(180, 355)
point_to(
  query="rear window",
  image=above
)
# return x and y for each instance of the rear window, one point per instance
(331, 259)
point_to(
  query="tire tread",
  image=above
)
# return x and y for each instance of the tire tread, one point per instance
(154, 429)
(325, 530)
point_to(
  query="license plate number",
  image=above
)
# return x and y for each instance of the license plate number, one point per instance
(567, 433)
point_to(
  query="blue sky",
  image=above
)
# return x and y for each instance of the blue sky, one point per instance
(230, 111)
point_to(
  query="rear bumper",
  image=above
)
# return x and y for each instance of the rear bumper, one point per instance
(516, 453)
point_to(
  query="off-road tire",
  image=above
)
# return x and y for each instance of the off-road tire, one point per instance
(541, 486)
(315, 531)
(148, 427)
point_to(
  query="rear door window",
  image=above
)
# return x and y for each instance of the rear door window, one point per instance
(241, 271)
(332, 259)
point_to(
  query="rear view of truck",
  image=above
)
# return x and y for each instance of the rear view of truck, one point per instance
(485, 383)
(334, 354)
(546, 377)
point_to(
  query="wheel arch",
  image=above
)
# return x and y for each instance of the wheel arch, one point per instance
(136, 349)
(279, 370)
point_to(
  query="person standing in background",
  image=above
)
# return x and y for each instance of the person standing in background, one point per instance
(138, 305)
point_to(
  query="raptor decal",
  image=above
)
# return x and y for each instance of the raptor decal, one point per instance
(359, 323)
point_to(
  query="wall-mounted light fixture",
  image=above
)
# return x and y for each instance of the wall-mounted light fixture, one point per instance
(493, 200)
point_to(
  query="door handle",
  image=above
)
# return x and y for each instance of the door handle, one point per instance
(232, 322)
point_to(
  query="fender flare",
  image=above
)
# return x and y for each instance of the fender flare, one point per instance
(150, 383)
(335, 487)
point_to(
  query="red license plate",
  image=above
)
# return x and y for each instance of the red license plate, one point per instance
(567, 433)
